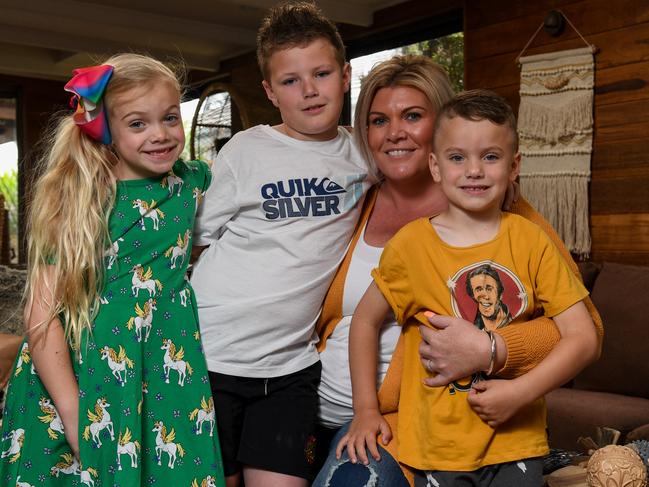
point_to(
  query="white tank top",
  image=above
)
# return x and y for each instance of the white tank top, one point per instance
(335, 388)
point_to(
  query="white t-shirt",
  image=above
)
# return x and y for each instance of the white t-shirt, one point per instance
(277, 218)
(335, 389)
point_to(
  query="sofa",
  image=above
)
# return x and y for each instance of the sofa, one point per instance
(614, 391)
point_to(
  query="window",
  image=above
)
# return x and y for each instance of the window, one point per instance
(218, 114)
(213, 127)
(447, 51)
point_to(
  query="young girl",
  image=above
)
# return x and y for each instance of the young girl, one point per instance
(113, 387)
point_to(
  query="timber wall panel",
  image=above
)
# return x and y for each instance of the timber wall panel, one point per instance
(495, 33)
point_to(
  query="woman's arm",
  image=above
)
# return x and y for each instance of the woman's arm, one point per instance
(495, 401)
(458, 348)
(51, 356)
(363, 352)
(529, 343)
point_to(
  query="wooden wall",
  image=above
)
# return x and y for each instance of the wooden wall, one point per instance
(495, 33)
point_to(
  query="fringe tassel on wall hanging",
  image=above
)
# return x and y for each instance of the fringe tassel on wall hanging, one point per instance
(555, 123)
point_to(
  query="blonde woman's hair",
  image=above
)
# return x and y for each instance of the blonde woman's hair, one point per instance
(72, 200)
(418, 72)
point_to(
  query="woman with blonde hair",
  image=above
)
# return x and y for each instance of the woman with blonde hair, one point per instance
(117, 388)
(394, 123)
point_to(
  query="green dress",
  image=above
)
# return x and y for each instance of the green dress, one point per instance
(146, 416)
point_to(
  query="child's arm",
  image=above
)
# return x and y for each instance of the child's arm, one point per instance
(495, 401)
(51, 356)
(363, 357)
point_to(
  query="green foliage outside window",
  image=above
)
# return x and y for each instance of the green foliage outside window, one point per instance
(447, 51)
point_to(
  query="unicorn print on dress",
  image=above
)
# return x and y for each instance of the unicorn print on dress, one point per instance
(173, 360)
(164, 443)
(127, 447)
(117, 361)
(184, 296)
(100, 420)
(178, 250)
(85, 477)
(51, 418)
(144, 280)
(198, 195)
(143, 320)
(145, 390)
(172, 181)
(184, 293)
(24, 358)
(148, 211)
(208, 481)
(17, 438)
(22, 484)
(68, 466)
(112, 252)
(205, 413)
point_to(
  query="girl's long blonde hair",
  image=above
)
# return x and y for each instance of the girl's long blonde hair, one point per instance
(68, 220)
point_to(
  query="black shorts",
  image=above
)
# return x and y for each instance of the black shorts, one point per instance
(523, 473)
(268, 424)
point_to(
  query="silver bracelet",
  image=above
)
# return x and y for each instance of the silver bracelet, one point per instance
(492, 358)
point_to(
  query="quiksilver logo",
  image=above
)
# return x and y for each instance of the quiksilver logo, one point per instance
(301, 197)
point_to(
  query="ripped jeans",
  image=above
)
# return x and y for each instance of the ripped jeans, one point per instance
(343, 473)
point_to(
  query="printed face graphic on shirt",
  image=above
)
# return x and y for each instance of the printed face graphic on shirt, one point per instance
(487, 294)
(308, 197)
(490, 296)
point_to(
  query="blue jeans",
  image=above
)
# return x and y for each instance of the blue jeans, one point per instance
(343, 473)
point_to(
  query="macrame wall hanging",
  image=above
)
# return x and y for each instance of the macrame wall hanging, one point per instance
(555, 125)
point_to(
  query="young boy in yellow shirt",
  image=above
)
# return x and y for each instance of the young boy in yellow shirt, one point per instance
(488, 267)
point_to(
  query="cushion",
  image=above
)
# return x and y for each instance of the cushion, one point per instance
(639, 433)
(589, 271)
(620, 295)
(573, 413)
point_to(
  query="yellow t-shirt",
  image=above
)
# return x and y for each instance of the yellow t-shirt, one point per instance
(514, 277)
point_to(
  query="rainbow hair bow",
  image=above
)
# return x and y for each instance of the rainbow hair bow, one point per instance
(88, 86)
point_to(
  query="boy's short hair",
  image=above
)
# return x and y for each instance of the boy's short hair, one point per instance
(295, 24)
(479, 105)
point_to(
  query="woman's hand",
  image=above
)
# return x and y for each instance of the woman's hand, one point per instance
(454, 350)
(361, 436)
(511, 196)
(496, 401)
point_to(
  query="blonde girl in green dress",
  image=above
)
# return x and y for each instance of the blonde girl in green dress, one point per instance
(117, 392)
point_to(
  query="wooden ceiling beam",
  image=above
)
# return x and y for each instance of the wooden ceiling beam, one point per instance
(341, 11)
(65, 16)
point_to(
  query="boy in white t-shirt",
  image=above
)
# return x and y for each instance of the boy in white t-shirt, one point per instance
(277, 219)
